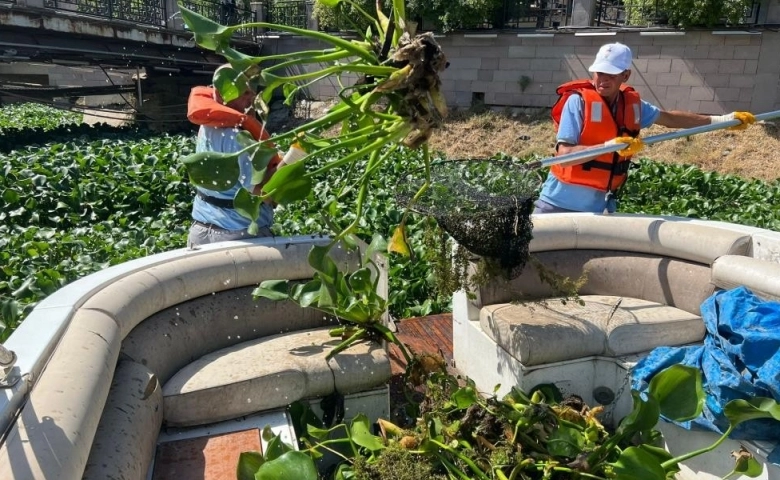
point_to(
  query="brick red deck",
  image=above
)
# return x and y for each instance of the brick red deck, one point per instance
(431, 334)
(204, 458)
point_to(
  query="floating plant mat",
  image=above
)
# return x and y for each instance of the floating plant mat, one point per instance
(485, 205)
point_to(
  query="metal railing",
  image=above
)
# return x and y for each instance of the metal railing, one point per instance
(520, 14)
(148, 12)
(648, 13)
(225, 12)
(293, 13)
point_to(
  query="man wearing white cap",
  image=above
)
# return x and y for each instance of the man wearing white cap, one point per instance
(601, 111)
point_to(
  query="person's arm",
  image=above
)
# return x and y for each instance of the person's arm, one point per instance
(682, 119)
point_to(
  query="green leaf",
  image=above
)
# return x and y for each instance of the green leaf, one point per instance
(679, 392)
(245, 139)
(208, 34)
(738, 411)
(464, 397)
(317, 432)
(248, 464)
(644, 415)
(268, 433)
(361, 434)
(308, 293)
(239, 61)
(291, 465)
(247, 205)
(552, 393)
(345, 472)
(320, 260)
(356, 311)
(302, 415)
(378, 245)
(230, 83)
(330, 3)
(327, 297)
(289, 90)
(746, 464)
(272, 290)
(637, 464)
(260, 160)
(289, 184)
(565, 441)
(276, 448)
(213, 170)
(360, 281)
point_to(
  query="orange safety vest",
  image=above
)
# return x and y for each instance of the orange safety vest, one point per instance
(606, 172)
(202, 109)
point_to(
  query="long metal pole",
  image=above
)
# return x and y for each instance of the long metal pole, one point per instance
(596, 151)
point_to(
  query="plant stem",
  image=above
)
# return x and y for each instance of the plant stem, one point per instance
(453, 469)
(324, 37)
(323, 57)
(359, 333)
(573, 471)
(395, 133)
(686, 456)
(425, 185)
(478, 471)
(334, 70)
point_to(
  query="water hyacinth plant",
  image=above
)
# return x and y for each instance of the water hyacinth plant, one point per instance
(395, 104)
(536, 435)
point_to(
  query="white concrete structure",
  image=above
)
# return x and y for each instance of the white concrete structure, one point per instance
(646, 278)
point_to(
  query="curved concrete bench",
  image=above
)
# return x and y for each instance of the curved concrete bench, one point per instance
(158, 314)
(644, 274)
(268, 373)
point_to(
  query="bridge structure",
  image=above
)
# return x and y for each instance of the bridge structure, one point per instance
(76, 48)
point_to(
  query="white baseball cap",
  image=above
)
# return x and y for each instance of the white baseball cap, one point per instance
(613, 58)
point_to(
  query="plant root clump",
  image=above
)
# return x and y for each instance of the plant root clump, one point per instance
(396, 463)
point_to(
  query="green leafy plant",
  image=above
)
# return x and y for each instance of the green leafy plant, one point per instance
(524, 81)
(56, 225)
(352, 297)
(458, 434)
(31, 115)
(396, 103)
(708, 13)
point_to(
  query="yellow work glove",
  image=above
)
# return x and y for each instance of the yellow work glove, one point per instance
(633, 145)
(746, 118)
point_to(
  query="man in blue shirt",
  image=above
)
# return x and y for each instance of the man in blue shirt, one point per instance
(213, 215)
(589, 185)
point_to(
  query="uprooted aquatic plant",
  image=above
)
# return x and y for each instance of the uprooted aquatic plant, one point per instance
(395, 104)
(536, 435)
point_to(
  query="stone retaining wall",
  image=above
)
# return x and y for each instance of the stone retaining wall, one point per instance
(703, 71)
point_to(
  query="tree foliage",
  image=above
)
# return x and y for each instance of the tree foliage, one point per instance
(441, 15)
(705, 13)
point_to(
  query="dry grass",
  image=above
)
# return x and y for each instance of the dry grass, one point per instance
(752, 153)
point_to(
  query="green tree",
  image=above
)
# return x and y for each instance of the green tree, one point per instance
(705, 13)
(443, 15)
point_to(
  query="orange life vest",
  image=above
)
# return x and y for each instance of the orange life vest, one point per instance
(606, 172)
(202, 109)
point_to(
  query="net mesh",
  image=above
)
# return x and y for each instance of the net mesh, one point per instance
(485, 205)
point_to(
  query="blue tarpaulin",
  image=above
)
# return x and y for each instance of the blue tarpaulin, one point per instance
(740, 358)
